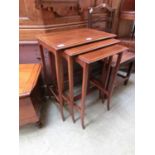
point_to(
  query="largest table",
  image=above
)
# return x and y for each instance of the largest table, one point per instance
(57, 42)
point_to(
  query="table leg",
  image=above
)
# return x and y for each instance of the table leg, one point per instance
(52, 66)
(106, 72)
(84, 92)
(103, 78)
(128, 73)
(59, 82)
(44, 67)
(113, 75)
(61, 73)
(71, 85)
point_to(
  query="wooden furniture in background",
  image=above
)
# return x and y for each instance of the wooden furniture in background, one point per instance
(28, 94)
(127, 13)
(124, 14)
(94, 17)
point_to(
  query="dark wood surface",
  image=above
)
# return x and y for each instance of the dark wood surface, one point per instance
(90, 47)
(101, 53)
(66, 39)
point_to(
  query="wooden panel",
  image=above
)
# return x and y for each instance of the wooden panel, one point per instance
(128, 5)
(128, 15)
(34, 21)
(27, 112)
(126, 18)
(22, 9)
(60, 7)
(30, 32)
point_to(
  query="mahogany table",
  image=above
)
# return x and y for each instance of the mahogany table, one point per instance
(57, 42)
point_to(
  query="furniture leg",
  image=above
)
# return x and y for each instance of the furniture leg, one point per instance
(113, 77)
(61, 74)
(111, 74)
(103, 79)
(106, 73)
(52, 66)
(84, 91)
(71, 85)
(59, 82)
(44, 68)
(108, 103)
(128, 73)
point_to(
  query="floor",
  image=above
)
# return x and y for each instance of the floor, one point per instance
(107, 132)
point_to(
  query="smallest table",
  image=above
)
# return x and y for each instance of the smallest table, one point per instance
(28, 93)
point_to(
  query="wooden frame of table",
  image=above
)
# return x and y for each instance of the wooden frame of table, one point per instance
(56, 43)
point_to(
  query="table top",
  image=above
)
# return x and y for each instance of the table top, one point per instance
(90, 47)
(102, 53)
(28, 76)
(65, 39)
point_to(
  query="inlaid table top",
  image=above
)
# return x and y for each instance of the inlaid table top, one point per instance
(28, 76)
(70, 38)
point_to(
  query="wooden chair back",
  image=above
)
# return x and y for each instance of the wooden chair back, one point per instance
(101, 17)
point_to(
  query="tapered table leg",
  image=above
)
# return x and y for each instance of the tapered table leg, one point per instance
(113, 75)
(44, 68)
(84, 92)
(128, 73)
(71, 85)
(59, 82)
